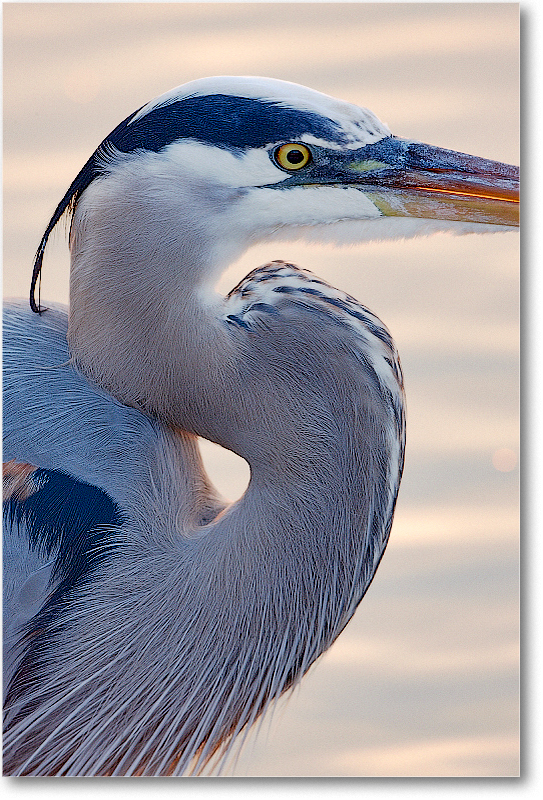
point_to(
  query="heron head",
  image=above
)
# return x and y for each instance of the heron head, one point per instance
(238, 159)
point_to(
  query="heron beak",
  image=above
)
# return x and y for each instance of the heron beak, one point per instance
(410, 179)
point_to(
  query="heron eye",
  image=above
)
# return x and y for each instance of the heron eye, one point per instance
(292, 156)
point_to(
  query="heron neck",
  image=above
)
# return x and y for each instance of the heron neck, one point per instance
(143, 312)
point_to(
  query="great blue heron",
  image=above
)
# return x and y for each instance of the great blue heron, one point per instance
(149, 623)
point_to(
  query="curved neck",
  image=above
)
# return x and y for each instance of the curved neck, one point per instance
(256, 595)
(268, 585)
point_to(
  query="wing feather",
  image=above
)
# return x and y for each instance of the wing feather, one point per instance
(56, 530)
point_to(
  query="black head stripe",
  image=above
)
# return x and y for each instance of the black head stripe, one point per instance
(224, 121)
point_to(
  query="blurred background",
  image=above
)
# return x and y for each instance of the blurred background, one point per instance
(424, 680)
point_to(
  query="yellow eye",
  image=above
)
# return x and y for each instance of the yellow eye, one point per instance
(292, 156)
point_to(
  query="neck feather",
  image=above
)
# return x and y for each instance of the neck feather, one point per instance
(142, 307)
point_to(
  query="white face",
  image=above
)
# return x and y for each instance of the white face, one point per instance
(262, 209)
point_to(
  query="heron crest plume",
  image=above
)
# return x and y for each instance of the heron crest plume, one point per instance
(152, 622)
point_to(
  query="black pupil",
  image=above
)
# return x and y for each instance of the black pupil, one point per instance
(295, 156)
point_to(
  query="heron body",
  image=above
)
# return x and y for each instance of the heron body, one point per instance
(149, 622)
